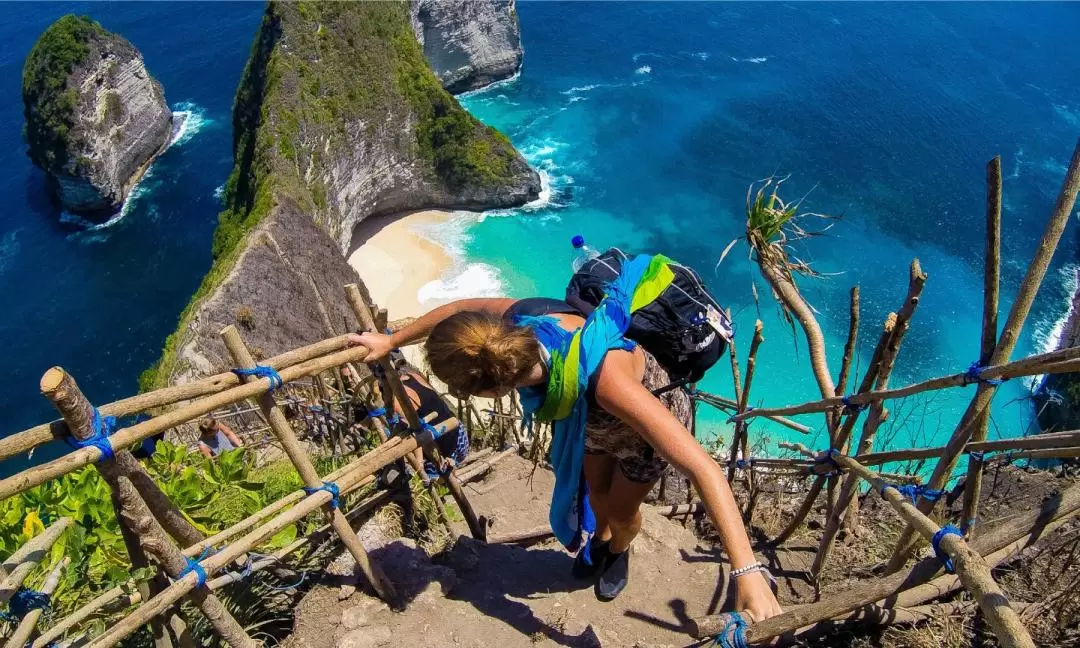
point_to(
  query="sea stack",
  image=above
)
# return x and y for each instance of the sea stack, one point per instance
(469, 44)
(95, 118)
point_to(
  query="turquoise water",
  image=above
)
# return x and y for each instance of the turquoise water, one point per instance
(651, 120)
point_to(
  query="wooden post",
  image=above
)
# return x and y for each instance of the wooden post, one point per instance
(991, 287)
(849, 346)
(973, 571)
(363, 313)
(734, 356)
(848, 497)
(26, 558)
(1029, 525)
(42, 473)
(156, 542)
(29, 622)
(300, 460)
(31, 438)
(363, 467)
(984, 392)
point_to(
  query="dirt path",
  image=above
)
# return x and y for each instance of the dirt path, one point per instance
(506, 595)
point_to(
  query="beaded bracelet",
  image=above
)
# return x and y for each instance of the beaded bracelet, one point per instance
(753, 567)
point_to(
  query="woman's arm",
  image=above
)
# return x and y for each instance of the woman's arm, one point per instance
(621, 394)
(231, 436)
(380, 344)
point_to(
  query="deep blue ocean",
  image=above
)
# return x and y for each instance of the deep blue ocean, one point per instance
(649, 122)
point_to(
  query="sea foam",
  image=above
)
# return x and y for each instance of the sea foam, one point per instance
(468, 280)
(192, 119)
(1047, 333)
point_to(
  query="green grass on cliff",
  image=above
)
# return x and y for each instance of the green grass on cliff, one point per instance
(315, 70)
(47, 103)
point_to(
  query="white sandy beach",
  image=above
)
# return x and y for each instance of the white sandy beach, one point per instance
(395, 261)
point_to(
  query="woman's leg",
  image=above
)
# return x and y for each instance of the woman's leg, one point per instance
(599, 472)
(623, 510)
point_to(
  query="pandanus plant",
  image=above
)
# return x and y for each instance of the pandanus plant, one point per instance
(771, 226)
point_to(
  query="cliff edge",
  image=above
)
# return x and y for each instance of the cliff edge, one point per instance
(469, 44)
(95, 118)
(1057, 398)
(338, 117)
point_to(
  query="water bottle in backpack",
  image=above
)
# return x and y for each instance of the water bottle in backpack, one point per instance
(581, 253)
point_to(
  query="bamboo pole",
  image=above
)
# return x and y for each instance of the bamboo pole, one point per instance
(847, 500)
(1028, 526)
(1053, 362)
(477, 469)
(849, 346)
(29, 622)
(20, 442)
(20, 555)
(300, 460)
(840, 439)
(363, 467)
(156, 542)
(721, 403)
(1009, 335)
(30, 554)
(991, 275)
(117, 594)
(743, 396)
(1061, 439)
(972, 570)
(130, 435)
(363, 313)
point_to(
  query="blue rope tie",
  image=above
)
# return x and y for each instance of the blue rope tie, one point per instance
(914, 491)
(103, 426)
(262, 371)
(379, 411)
(852, 408)
(977, 457)
(194, 566)
(974, 375)
(742, 464)
(731, 419)
(948, 529)
(829, 457)
(23, 601)
(329, 487)
(303, 576)
(734, 633)
(435, 433)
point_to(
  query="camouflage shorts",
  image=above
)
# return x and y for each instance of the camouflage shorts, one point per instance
(606, 434)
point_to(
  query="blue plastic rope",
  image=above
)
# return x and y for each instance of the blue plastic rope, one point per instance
(742, 464)
(852, 409)
(379, 411)
(829, 457)
(435, 433)
(329, 487)
(731, 419)
(977, 457)
(194, 566)
(734, 633)
(262, 371)
(303, 576)
(23, 601)
(913, 492)
(103, 426)
(948, 529)
(974, 375)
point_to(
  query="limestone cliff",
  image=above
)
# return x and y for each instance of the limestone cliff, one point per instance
(338, 117)
(469, 43)
(95, 118)
(1057, 399)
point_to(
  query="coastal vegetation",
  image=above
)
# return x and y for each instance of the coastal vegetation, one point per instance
(49, 103)
(320, 77)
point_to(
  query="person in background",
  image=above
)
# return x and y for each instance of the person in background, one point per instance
(453, 447)
(215, 437)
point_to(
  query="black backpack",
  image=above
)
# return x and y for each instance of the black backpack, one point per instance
(674, 328)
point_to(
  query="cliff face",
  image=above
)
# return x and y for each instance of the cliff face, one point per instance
(338, 117)
(1057, 399)
(469, 44)
(95, 118)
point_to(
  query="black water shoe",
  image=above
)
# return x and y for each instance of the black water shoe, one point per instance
(615, 576)
(598, 552)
